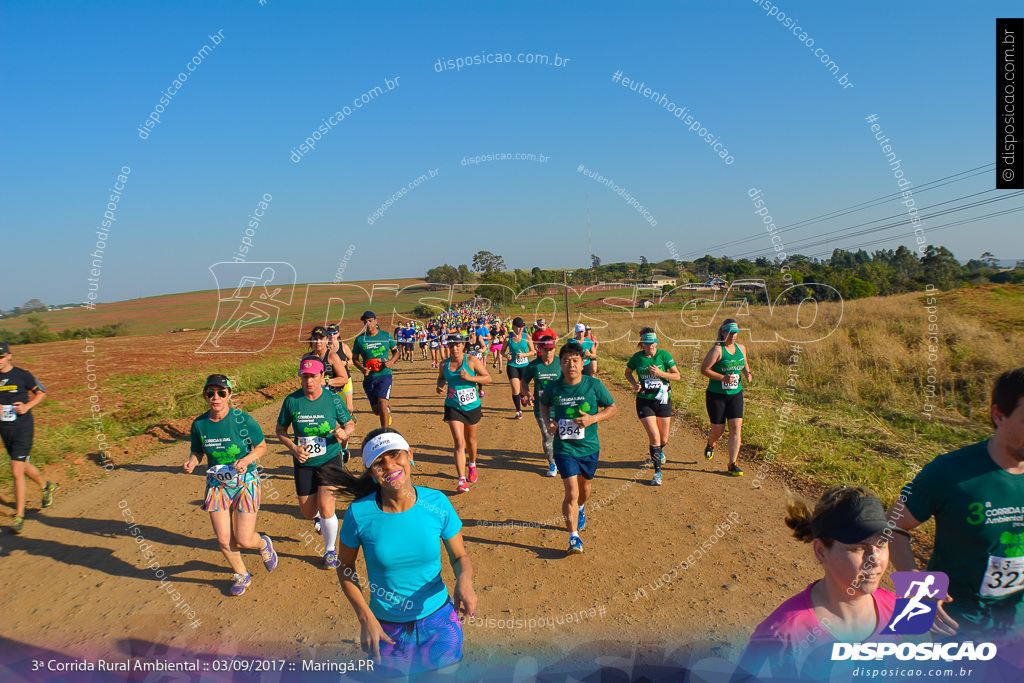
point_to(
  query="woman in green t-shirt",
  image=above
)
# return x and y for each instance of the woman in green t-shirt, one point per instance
(655, 368)
(232, 442)
(724, 397)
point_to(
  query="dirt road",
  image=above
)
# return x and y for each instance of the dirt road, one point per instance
(76, 583)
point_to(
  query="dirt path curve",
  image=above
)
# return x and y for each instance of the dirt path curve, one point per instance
(639, 593)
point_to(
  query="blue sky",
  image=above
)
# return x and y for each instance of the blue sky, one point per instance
(80, 78)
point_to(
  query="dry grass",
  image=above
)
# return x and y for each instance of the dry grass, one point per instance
(860, 392)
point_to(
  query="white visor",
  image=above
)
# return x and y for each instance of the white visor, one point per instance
(381, 444)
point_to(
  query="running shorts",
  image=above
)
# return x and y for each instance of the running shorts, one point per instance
(423, 345)
(722, 407)
(18, 442)
(495, 348)
(242, 498)
(377, 388)
(650, 407)
(588, 369)
(307, 479)
(469, 417)
(433, 642)
(515, 372)
(569, 466)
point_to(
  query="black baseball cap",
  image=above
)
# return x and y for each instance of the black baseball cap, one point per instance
(217, 381)
(367, 315)
(852, 520)
(518, 322)
(332, 329)
(4, 349)
(319, 329)
(455, 338)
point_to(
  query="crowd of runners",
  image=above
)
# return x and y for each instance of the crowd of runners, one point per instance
(411, 621)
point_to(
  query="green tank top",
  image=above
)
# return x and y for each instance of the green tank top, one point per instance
(461, 394)
(729, 363)
(523, 347)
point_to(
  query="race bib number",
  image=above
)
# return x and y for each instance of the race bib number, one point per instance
(570, 431)
(731, 382)
(226, 475)
(1004, 575)
(652, 384)
(8, 414)
(465, 396)
(313, 445)
(521, 359)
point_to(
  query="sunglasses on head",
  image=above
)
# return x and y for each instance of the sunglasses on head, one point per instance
(210, 393)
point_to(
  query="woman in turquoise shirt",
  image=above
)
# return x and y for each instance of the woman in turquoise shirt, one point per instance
(462, 373)
(410, 624)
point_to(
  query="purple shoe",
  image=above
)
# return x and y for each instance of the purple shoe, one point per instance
(268, 554)
(331, 560)
(240, 583)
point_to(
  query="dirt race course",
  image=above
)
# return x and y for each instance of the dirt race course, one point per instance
(75, 582)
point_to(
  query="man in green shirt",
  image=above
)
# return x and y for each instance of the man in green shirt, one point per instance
(374, 352)
(322, 425)
(543, 370)
(572, 406)
(976, 495)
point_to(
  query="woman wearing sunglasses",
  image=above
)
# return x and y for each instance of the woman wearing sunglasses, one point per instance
(464, 373)
(232, 441)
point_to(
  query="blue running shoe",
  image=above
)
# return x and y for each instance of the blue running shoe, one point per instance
(552, 470)
(656, 481)
(575, 546)
(582, 520)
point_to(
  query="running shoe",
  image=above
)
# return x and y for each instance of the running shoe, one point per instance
(734, 470)
(656, 481)
(709, 451)
(346, 455)
(552, 470)
(355, 419)
(240, 583)
(19, 524)
(331, 560)
(519, 415)
(581, 521)
(463, 487)
(575, 545)
(268, 554)
(48, 494)
(472, 474)
(481, 393)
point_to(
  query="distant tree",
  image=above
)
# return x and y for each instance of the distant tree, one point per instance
(486, 262)
(444, 275)
(465, 277)
(595, 261)
(38, 331)
(34, 305)
(989, 259)
(905, 263)
(939, 267)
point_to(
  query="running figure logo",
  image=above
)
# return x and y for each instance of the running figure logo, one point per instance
(915, 611)
(257, 299)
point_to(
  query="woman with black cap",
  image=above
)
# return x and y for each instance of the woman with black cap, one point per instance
(518, 351)
(724, 397)
(334, 343)
(463, 373)
(847, 533)
(335, 373)
(399, 525)
(232, 446)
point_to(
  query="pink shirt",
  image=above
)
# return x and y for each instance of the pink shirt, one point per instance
(793, 631)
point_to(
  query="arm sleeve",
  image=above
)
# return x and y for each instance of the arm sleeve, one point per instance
(450, 522)
(349, 535)
(32, 384)
(255, 432)
(197, 441)
(284, 418)
(923, 496)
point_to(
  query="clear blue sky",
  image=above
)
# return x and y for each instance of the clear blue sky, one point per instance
(80, 78)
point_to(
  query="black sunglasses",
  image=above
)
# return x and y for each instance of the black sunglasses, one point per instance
(210, 393)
